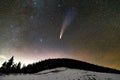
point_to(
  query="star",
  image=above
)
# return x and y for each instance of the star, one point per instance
(41, 40)
(59, 5)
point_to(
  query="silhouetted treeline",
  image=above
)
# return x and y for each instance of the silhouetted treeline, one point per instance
(69, 63)
(53, 63)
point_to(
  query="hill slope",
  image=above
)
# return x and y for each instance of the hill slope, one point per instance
(69, 63)
(63, 74)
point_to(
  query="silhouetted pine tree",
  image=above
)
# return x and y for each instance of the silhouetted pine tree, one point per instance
(23, 68)
(4, 66)
(9, 64)
(13, 68)
(18, 67)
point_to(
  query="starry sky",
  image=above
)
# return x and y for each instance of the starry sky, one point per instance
(30, 30)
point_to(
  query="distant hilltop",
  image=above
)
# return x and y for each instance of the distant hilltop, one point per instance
(65, 62)
(10, 67)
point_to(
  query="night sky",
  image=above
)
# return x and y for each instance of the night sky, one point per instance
(34, 30)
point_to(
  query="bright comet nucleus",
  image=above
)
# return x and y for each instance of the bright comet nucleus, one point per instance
(61, 33)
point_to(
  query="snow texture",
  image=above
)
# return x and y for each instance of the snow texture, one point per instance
(62, 74)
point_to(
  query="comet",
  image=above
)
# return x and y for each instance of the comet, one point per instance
(70, 16)
(62, 31)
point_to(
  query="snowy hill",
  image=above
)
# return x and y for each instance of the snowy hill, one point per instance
(63, 74)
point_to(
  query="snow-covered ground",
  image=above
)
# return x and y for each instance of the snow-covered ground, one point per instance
(63, 74)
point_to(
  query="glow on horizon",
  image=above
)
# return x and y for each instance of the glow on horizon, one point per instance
(3, 57)
(29, 56)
